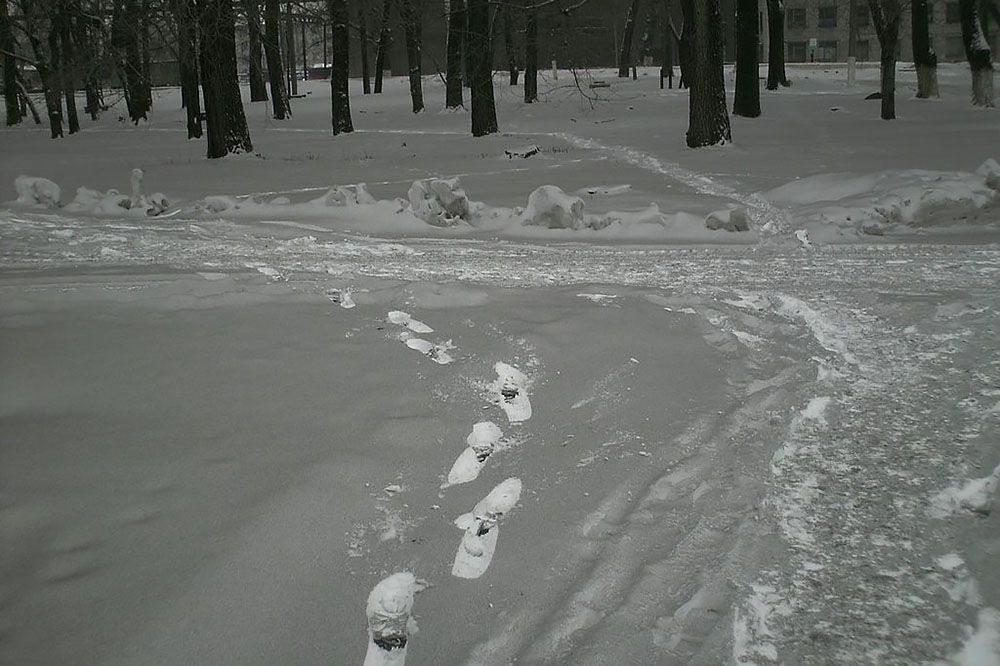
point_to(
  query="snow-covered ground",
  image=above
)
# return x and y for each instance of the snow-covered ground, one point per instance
(322, 430)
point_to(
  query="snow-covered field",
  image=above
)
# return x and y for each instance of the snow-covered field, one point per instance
(288, 420)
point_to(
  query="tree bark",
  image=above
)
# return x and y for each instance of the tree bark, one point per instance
(366, 85)
(886, 16)
(484, 113)
(625, 49)
(225, 122)
(280, 107)
(776, 45)
(10, 93)
(666, 48)
(453, 63)
(291, 74)
(513, 66)
(531, 56)
(67, 64)
(746, 100)
(146, 85)
(86, 34)
(258, 91)
(412, 15)
(187, 50)
(708, 120)
(382, 49)
(340, 72)
(924, 58)
(50, 87)
(977, 52)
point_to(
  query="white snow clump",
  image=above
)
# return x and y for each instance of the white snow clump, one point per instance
(731, 219)
(549, 206)
(351, 195)
(37, 192)
(438, 202)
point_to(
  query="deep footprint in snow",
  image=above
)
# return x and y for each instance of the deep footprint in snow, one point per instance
(390, 623)
(481, 529)
(481, 442)
(404, 319)
(510, 392)
(437, 353)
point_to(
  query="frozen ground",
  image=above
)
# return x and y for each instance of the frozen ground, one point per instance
(754, 450)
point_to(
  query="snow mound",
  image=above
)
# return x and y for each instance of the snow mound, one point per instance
(113, 203)
(440, 203)
(880, 203)
(351, 195)
(218, 203)
(549, 206)
(37, 192)
(973, 496)
(731, 219)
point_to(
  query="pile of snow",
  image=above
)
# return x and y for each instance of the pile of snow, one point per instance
(879, 203)
(37, 192)
(549, 206)
(439, 202)
(731, 219)
(351, 195)
(973, 496)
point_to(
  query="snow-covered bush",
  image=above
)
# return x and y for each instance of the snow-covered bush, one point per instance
(549, 206)
(37, 192)
(441, 203)
(731, 219)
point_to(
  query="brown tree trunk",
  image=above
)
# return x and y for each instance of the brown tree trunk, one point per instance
(776, 45)
(924, 58)
(746, 100)
(280, 107)
(412, 15)
(625, 49)
(258, 91)
(708, 119)
(531, 56)
(484, 113)
(382, 49)
(340, 72)
(225, 122)
(453, 96)
(977, 52)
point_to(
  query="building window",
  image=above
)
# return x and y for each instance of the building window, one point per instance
(862, 15)
(862, 50)
(826, 51)
(828, 17)
(795, 17)
(952, 14)
(796, 51)
(954, 49)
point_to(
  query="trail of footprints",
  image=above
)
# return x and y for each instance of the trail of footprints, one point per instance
(390, 603)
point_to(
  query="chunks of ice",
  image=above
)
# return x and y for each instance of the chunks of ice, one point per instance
(731, 219)
(37, 192)
(438, 202)
(549, 206)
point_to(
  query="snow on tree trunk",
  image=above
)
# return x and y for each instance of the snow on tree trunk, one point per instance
(708, 119)
(382, 49)
(776, 45)
(10, 94)
(258, 91)
(484, 113)
(977, 52)
(412, 23)
(340, 72)
(280, 107)
(453, 65)
(924, 58)
(531, 56)
(226, 124)
(625, 50)
(886, 15)
(746, 100)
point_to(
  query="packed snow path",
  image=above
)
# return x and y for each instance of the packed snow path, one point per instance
(794, 510)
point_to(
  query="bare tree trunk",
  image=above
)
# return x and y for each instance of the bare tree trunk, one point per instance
(924, 58)
(886, 15)
(412, 14)
(22, 93)
(366, 85)
(776, 45)
(293, 75)
(67, 64)
(977, 52)
(382, 49)
(484, 112)
(50, 87)
(340, 72)
(708, 120)
(746, 100)
(226, 124)
(625, 50)
(453, 97)
(187, 56)
(10, 93)
(531, 56)
(258, 91)
(125, 26)
(86, 33)
(666, 48)
(146, 89)
(508, 40)
(280, 108)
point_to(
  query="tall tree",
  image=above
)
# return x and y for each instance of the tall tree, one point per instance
(484, 112)
(453, 96)
(531, 55)
(50, 87)
(258, 91)
(382, 48)
(187, 57)
(291, 73)
(924, 58)
(746, 100)
(413, 18)
(508, 41)
(10, 94)
(667, 46)
(340, 72)
(64, 56)
(88, 29)
(886, 16)
(977, 52)
(126, 24)
(225, 122)
(708, 119)
(366, 85)
(625, 49)
(280, 107)
(776, 45)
